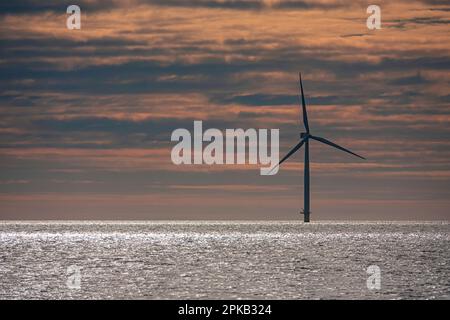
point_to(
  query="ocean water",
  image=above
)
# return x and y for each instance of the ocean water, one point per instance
(224, 260)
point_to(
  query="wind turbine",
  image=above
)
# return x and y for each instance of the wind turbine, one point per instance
(304, 140)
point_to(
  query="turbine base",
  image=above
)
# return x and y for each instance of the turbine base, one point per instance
(305, 215)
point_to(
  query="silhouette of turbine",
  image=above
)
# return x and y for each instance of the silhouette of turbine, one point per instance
(304, 140)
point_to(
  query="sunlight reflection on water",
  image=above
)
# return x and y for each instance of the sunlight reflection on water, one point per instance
(204, 259)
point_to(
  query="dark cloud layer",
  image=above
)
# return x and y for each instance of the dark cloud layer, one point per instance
(26, 6)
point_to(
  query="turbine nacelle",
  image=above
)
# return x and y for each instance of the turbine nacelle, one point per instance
(304, 135)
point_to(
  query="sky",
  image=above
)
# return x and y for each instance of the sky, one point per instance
(86, 115)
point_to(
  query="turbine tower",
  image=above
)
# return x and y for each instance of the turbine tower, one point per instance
(304, 140)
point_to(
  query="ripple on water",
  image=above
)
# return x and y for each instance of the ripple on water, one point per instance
(208, 259)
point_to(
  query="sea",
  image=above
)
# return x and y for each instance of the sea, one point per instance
(224, 260)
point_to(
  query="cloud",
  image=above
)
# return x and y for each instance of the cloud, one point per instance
(90, 112)
(404, 23)
(30, 6)
(354, 35)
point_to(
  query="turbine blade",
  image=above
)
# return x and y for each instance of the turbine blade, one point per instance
(305, 114)
(323, 140)
(290, 153)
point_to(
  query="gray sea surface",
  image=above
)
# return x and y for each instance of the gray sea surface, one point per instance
(224, 260)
